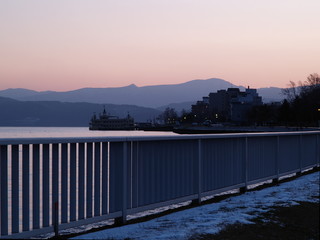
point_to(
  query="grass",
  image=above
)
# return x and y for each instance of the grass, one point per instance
(293, 222)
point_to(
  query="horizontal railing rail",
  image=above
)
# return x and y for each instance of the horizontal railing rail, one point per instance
(50, 184)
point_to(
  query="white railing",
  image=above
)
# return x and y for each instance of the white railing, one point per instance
(50, 184)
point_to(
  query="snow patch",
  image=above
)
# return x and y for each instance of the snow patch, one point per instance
(212, 218)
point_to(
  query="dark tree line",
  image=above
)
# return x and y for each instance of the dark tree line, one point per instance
(169, 116)
(301, 107)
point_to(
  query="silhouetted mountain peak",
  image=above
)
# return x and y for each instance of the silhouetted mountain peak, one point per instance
(132, 86)
(146, 96)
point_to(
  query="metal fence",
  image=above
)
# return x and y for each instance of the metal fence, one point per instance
(50, 184)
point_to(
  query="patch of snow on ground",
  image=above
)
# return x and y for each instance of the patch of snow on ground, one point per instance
(212, 217)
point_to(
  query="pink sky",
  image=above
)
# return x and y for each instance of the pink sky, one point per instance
(69, 44)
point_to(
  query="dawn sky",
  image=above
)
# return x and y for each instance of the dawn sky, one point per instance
(70, 44)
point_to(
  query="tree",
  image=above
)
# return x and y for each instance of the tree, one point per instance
(304, 102)
(186, 117)
(291, 92)
(313, 80)
(312, 83)
(169, 116)
(285, 113)
(265, 114)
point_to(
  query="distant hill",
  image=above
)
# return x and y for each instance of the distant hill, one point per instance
(149, 96)
(271, 94)
(54, 113)
(18, 93)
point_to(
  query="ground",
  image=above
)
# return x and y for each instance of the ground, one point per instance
(291, 222)
(285, 210)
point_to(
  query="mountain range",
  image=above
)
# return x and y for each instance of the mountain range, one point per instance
(23, 107)
(147, 96)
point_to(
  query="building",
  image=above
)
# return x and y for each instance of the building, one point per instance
(219, 102)
(200, 110)
(242, 104)
(231, 105)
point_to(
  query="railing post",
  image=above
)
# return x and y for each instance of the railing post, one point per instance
(56, 218)
(36, 186)
(4, 189)
(198, 174)
(73, 181)
(81, 179)
(300, 156)
(276, 180)
(105, 178)
(89, 180)
(124, 179)
(245, 188)
(15, 188)
(45, 185)
(64, 183)
(199, 170)
(97, 168)
(55, 188)
(25, 188)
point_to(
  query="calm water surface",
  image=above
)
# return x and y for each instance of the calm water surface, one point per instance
(33, 132)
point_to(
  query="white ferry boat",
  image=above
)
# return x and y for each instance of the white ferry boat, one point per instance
(108, 122)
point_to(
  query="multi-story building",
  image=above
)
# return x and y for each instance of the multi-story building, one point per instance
(219, 103)
(241, 105)
(228, 105)
(200, 110)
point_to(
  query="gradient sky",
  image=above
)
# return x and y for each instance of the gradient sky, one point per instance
(69, 44)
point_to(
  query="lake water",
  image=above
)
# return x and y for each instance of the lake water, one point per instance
(34, 132)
